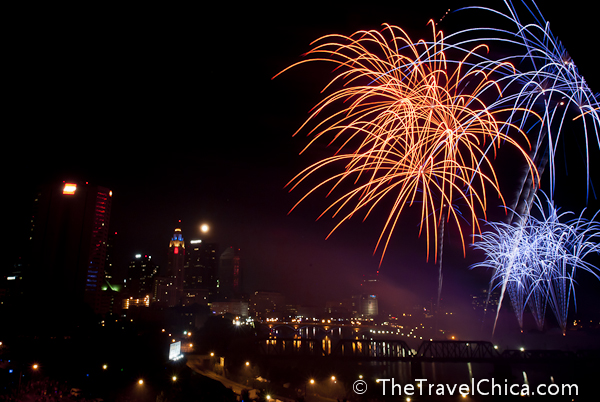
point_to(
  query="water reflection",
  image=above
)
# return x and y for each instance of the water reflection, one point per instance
(370, 359)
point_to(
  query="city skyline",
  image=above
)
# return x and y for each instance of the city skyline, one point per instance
(167, 157)
(173, 139)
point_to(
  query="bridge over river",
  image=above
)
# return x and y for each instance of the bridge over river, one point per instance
(393, 349)
(436, 361)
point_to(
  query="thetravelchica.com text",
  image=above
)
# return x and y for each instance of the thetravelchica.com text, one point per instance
(484, 387)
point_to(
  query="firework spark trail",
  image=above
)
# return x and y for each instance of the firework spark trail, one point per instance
(546, 81)
(410, 128)
(535, 260)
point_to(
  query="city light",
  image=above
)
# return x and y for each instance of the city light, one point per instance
(401, 138)
(69, 188)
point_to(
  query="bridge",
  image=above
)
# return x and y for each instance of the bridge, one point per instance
(428, 351)
(467, 351)
(344, 348)
(315, 329)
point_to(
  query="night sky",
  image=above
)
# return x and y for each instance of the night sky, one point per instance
(175, 111)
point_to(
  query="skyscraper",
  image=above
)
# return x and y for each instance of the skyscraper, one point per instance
(108, 266)
(201, 267)
(70, 235)
(230, 274)
(368, 301)
(140, 276)
(175, 268)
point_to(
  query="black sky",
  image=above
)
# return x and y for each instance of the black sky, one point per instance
(174, 109)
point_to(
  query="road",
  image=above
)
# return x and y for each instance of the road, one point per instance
(195, 363)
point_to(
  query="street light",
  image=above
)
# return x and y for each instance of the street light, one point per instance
(204, 228)
(312, 382)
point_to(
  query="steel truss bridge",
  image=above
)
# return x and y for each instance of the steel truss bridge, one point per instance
(428, 351)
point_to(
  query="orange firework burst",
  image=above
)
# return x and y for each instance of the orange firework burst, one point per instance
(410, 128)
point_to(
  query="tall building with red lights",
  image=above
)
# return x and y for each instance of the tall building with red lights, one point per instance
(230, 274)
(69, 243)
(175, 268)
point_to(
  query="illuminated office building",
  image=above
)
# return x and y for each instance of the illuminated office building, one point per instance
(230, 274)
(201, 268)
(175, 268)
(367, 303)
(69, 243)
(140, 276)
(160, 290)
